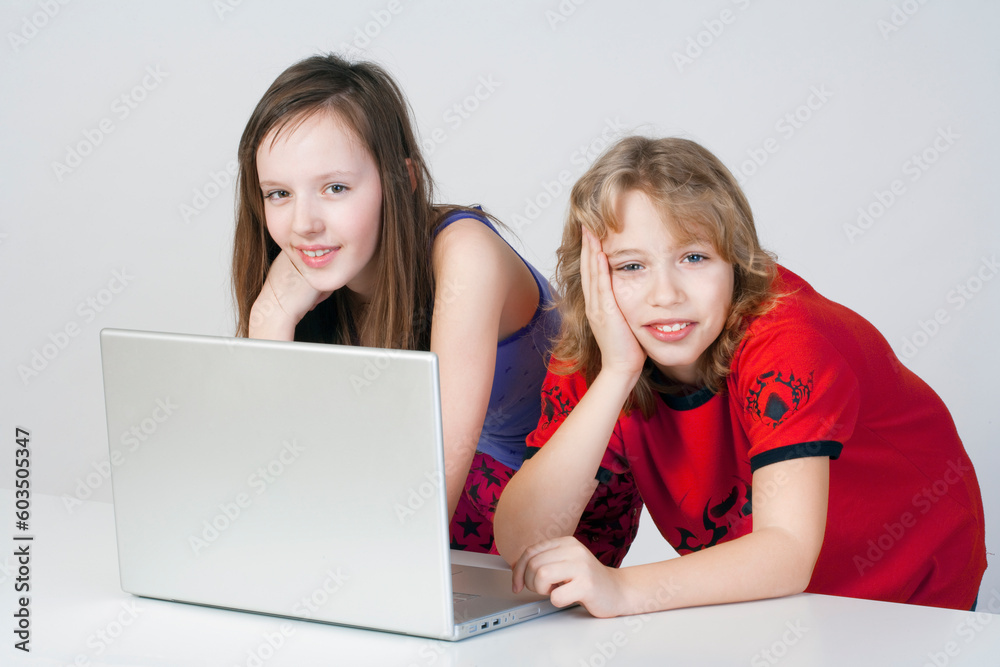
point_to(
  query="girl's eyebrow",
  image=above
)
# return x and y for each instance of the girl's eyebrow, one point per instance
(329, 176)
(332, 175)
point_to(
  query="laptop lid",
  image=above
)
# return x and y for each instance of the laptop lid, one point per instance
(243, 478)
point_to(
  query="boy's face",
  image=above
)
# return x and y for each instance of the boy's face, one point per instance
(675, 297)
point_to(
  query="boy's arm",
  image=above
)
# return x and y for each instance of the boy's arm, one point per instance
(776, 559)
(549, 493)
(547, 496)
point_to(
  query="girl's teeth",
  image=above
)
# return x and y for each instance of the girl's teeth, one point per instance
(671, 328)
(315, 253)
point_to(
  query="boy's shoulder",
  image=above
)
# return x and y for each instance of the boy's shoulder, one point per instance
(801, 321)
(795, 302)
(799, 309)
(804, 326)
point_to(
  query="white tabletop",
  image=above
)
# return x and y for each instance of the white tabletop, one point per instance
(80, 616)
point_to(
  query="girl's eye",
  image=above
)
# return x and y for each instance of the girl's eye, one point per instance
(336, 188)
(275, 195)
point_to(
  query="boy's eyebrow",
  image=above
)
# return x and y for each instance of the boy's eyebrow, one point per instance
(623, 251)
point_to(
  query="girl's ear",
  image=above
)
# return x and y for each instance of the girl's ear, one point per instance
(413, 175)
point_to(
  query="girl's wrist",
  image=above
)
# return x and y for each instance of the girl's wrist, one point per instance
(268, 320)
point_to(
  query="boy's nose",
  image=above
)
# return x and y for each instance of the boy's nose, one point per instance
(665, 290)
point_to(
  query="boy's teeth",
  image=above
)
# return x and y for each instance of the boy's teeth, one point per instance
(674, 327)
(315, 253)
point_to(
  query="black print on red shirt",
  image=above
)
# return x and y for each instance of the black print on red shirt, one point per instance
(718, 519)
(774, 397)
(554, 405)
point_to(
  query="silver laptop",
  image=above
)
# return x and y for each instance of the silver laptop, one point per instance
(293, 479)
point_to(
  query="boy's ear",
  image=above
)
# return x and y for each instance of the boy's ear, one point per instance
(413, 175)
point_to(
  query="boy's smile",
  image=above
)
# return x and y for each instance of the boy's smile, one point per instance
(675, 296)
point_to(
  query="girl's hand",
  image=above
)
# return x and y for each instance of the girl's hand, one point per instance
(620, 351)
(567, 572)
(283, 301)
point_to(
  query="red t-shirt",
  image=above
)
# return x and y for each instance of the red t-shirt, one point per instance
(811, 378)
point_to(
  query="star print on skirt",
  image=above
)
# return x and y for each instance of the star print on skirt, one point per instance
(607, 527)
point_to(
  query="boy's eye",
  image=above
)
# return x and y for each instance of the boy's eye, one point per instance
(695, 257)
(631, 266)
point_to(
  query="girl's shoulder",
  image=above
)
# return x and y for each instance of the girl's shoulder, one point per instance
(448, 215)
(464, 234)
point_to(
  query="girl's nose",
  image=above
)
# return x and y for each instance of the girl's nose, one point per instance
(305, 218)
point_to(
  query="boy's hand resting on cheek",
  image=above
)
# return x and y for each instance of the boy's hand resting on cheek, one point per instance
(567, 572)
(283, 301)
(620, 351)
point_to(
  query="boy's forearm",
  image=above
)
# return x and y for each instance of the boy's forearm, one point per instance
(547, 496)
(776, 559)
(766, 564)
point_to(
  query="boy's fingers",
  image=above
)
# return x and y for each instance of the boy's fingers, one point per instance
(518, 571)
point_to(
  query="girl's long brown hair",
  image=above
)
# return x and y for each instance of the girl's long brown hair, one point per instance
(701, 200)
(367, 100)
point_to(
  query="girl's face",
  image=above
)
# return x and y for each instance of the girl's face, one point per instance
(675, 297)
(323, 202)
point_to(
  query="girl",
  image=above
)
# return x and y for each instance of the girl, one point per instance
(338, 241)
(775, 438)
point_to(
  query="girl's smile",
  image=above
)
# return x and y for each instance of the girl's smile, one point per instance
(316, 257)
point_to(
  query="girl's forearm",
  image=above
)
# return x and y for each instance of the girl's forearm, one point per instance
(267, 319)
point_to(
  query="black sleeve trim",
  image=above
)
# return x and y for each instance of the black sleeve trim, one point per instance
(603, 474)
(802, 450)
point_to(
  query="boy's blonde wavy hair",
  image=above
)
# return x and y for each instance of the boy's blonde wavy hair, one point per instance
(700, 199)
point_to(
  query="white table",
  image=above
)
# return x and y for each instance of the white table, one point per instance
(79, 616)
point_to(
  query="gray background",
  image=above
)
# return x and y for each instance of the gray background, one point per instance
(134, 231)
